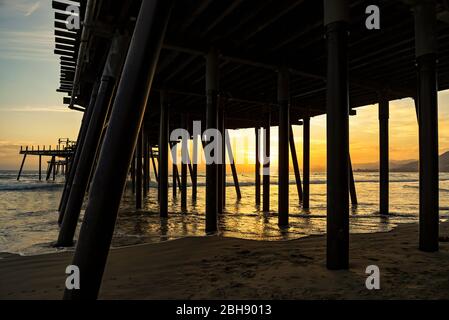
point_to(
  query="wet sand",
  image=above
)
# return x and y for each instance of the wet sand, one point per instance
(227, 268)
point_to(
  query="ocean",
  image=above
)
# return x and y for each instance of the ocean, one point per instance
(28, 211)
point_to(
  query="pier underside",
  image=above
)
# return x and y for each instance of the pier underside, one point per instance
(140, 69)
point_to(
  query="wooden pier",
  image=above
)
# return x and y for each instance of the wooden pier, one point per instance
(139, 69)
(60, 157)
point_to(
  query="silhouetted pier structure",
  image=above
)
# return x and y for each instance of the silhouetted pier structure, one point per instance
(64, 150)
(139, 69)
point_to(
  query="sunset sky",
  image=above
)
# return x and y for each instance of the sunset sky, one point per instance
(31, 112)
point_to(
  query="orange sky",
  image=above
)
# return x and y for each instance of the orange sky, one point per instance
(31, 112)
(33, 126)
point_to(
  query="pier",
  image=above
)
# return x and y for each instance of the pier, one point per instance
(60, 157)
(140, 69)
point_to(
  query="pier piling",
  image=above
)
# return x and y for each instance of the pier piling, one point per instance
(184, 163)
(352, 189)
(295, 165)
(336, 13)
(426, 63)
(92, 141)
(266, 164)
(284, 129)
(212, 123)
(235, 176)
(163, 155)
(257, 167)
(21, 166)
(306, 162)
(78, 147)
(139, 168)
(383, 155)
(118, 145)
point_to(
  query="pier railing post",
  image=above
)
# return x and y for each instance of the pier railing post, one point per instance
(118, 146)
(284, 129)
(383, 154)
(212, 123)
(426, 63)
(336, 17)
(92, 141)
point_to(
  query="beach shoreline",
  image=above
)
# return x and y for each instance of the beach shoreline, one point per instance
(216, 267)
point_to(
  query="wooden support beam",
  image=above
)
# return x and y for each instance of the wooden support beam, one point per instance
(426, 64)
(295, 165)
(139, 155)
(175, 178)
(194, 169)
(266, 164)
(163, 155)
(50, 168)
(352, 189)
(154, 164)
(40, 167)
(146, 154)
(176, 175)
(21, 166)
(383, 155)
(120, 139)
(87, 162)
(133, 173)
(54, 168)
(306, 163)
(211, 123)
(284, 129)
(184, 163)
(257, 167)
(269, 65)
(221, 158)
(233, 167)
(336, 14)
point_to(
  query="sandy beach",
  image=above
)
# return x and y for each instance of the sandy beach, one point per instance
(227, 268)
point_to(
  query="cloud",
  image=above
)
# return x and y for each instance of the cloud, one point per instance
(27, 45)
(24, 7)
(36, 109)
(33, 8)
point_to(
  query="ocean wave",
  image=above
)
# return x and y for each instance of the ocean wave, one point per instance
(417, 187)
(30, 187)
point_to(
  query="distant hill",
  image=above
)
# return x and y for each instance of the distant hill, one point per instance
(374, 166)
(414, 165)
(403, 165)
